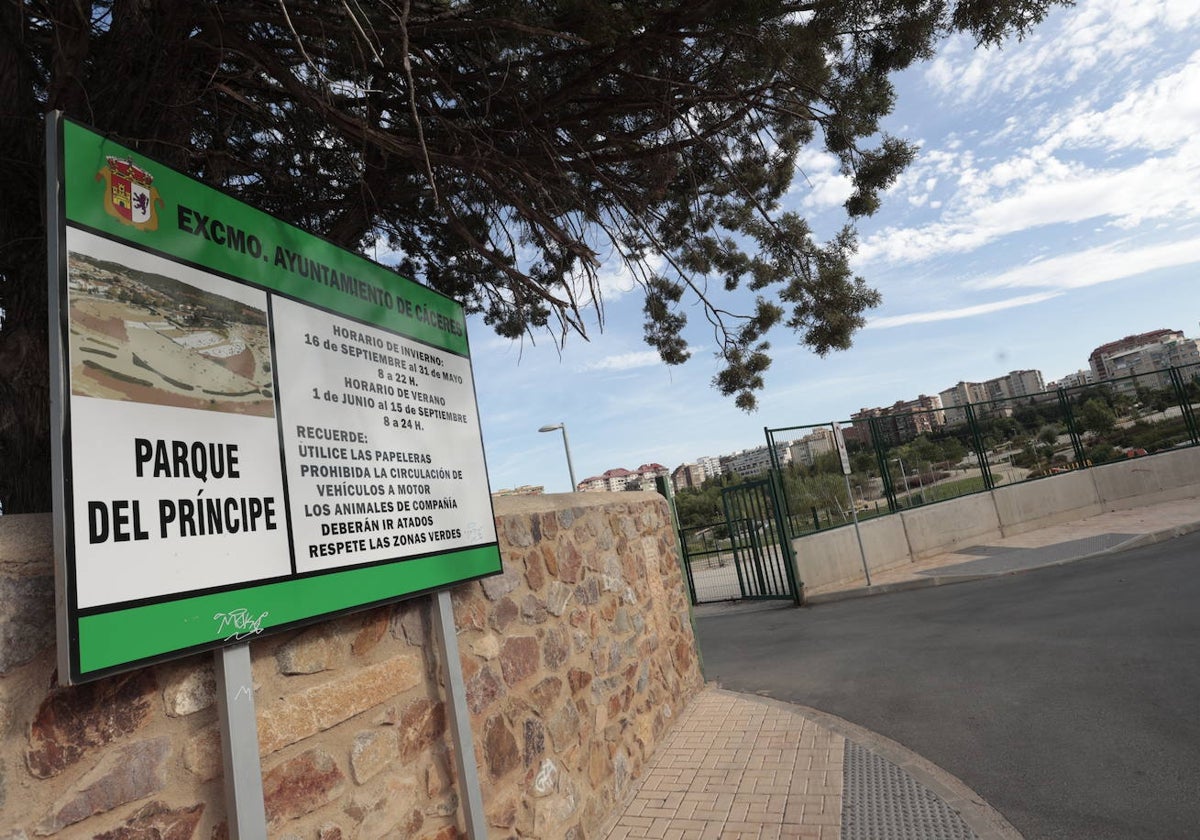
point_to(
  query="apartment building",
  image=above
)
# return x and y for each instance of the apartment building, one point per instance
(645, 475)
(900, 423)
(1023, 383)
(1013, 385)
(523, 490)
(806, 449)
(956, 398)
(689, 476)
(619, 478)
(1149, 363)
(612, 481)
(749, 463)
(1079, 378)
(711, 466)
(1101, 359)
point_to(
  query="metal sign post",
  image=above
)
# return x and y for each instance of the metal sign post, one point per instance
(244, 807)
(460, 717)
(841, 447)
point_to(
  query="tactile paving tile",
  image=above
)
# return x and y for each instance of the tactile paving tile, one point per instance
(881, 801)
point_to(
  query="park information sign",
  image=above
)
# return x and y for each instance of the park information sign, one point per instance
(254, 428)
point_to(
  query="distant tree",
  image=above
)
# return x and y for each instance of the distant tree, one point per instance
(1156, 399)
(951, 451)
(822, 491)
(1101, 453)
(1095, 416)
(862, 460)
(699, 507)
(1029, 418)
(922, 450)
(508, 150)
(827, 462)
(1047, 441)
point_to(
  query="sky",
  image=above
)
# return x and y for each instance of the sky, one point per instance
(1054, 206)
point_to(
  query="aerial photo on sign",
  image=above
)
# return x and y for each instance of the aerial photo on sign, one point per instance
(147, 338)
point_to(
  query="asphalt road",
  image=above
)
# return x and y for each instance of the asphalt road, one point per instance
(1067, 697)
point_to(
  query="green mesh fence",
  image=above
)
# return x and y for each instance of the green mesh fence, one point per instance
(902, 460)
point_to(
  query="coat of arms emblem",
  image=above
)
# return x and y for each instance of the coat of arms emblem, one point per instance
(130, 196)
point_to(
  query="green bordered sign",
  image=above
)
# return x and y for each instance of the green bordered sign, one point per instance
(253, 428)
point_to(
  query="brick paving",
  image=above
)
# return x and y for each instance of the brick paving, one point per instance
(735, 768)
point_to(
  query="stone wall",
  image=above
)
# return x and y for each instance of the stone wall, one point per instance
(576, 660)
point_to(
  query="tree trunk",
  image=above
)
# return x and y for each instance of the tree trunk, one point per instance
(24, 352)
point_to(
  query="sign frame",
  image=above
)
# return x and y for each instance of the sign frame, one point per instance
(840, 441)
(116, 206)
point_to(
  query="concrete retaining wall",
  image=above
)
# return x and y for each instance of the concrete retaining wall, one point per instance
(1047, 501)
(577, 661)
(945, 526)
(832, 556)
(1141, 481)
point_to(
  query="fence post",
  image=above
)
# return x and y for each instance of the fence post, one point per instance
(889, 489)
(786, 512)
(1185, 405)
(785, 541)
(985, 469)
(1076, 442)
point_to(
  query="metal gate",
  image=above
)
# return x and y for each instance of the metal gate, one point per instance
(748, 556)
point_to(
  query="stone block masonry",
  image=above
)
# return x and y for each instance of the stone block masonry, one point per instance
(577, 661)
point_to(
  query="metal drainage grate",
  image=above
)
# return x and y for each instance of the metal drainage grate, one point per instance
(883, 802)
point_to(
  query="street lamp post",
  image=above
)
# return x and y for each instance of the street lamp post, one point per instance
(554, 427)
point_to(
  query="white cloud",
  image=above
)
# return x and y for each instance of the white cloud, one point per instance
(1151, 172)
(382, 253)
(615, 279)
(630, 361)
(1057, 193)
(828, 191)
(1161, 115)
(893, 321)
(1094, 266)
(819, 180)
(1109, 34)
(625, 361)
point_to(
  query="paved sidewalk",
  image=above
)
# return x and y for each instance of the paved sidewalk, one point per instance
(740, 766)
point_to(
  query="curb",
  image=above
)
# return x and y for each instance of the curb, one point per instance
(984, 820)
(947, 580)
(898, 586)
(1156, 537)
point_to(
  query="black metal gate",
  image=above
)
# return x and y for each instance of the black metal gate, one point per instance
(748, 556)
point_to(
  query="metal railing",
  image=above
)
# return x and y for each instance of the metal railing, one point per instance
(901, 460)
